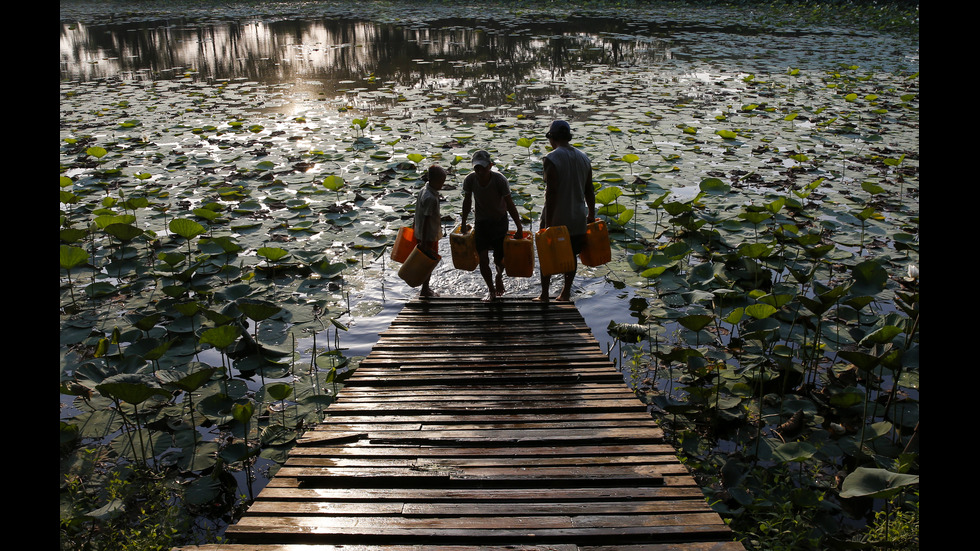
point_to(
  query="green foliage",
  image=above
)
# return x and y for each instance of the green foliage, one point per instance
(897, 526)
(72, 257)
(186, 228)
(129, 510)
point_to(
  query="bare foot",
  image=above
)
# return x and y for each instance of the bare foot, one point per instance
(542, 298)
(500, 284)
(428, 293)
(490, 297)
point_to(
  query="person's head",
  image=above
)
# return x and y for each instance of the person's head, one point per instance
(482, 161)
(559, 132)
(437, 177)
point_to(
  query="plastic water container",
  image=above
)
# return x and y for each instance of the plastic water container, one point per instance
(596, 250)
(418, 266)
(404, 243)
(462, 242)
(554, 251)
(518, 254)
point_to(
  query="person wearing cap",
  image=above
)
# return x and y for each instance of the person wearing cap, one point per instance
(428, 226)
(488, 193)
(569, 197)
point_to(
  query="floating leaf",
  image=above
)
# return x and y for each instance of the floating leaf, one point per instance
(131, 388)
(188, 229)
(735, 315)
(872, 188)
(242, 411)
(882, 335)
(202, 490)
(106, 220)
(862, 360)
(654, 272)
(625, 216)
(221, 337)
(278, 391)
(189, 382)
(272, 254)
(333, 183)
(277, 435)
(72, 257)
(258, 310)
(869, 278)
(123, 232)
(714, 186)
(760, 311)
(206, 214)
(876, 483)
(695, 322)
(607, 195)
(328, 269)
(794, 452)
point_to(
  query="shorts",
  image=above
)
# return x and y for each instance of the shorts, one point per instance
(489, 235)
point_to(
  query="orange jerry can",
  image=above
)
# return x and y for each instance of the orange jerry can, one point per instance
(404, 243)
(463, 246)
(596, 250)
(418, 266)
(518, 254)
(554, 251)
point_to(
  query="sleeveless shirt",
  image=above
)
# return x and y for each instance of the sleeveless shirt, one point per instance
(573, 172)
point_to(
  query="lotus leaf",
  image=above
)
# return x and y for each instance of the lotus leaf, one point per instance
(874, 482)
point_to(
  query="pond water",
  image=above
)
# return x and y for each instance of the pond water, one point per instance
(507, 63)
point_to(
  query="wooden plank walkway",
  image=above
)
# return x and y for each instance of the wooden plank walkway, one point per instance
(482, 426)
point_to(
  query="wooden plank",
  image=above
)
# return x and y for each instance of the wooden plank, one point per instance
(489, 530)
(287, 489)
(368, 449)
(474, 425)
(458, 509)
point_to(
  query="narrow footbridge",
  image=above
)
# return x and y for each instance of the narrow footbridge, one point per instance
(474, 426)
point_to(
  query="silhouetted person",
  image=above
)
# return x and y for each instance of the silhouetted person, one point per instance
(489, 192)
(428, 227)
(569, 198)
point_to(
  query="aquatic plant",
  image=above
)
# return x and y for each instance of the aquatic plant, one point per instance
(72, 257)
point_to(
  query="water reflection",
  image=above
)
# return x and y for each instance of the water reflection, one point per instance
(341, 54)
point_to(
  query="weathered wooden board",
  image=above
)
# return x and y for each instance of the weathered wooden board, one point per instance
(474, 426)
